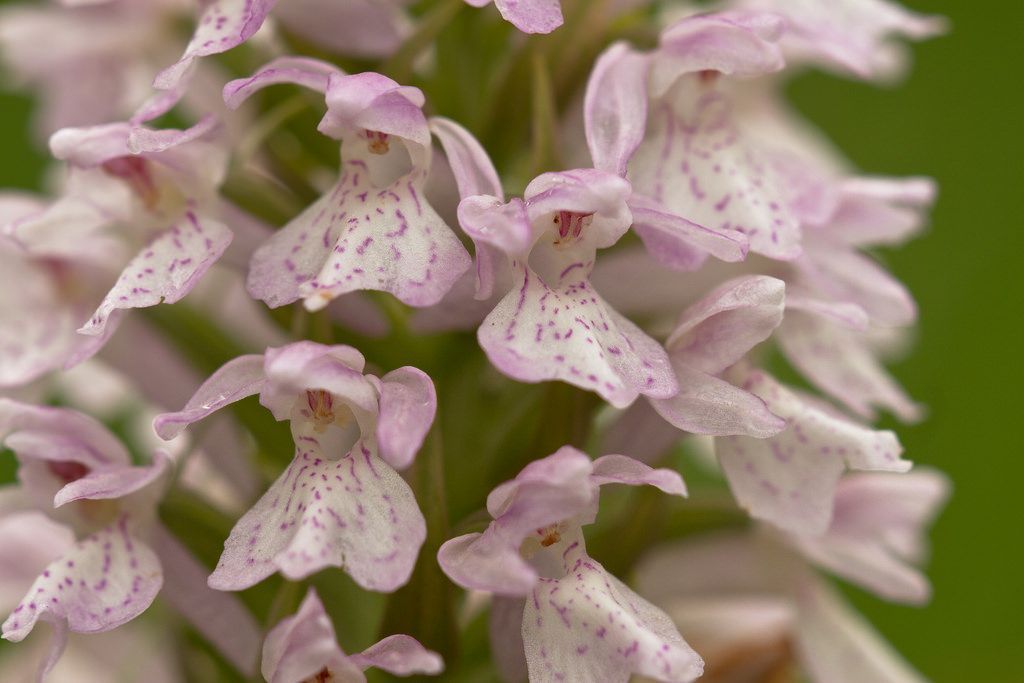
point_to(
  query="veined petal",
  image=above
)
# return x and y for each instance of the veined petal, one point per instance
(679, 243)
(400, 655)
(531, 16)
(306, 71)
(700, 165)
(355, 513)
(304, 644)
(233, 381)
(538, 333)
(878, 532)
(706, 404)
(165, 270)
(588, 626)
(222, 25)
(717, 331)
(840, 364)
(474, 172)
(408, 403)
(361, 237)
(837, 644)
(615, 107)
(790, 479)
(105, 580)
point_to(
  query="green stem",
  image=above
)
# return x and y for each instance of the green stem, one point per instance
(400, 65)
(545, 118)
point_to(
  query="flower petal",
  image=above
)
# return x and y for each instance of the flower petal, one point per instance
(358, 28)
(877, 533)
(681, 244)
(306, 71)
(408, 403)
(531, 16)
(355, 513)
(222, 25)
(105, 580)
(717, 331)
(233, 381)
(113, 483)
(302, 645)
(621, 469)
(699, 164)
(615, 107)
(877, 211)
(165, 270)
(589, 626)
(538, 333)
(400, 655)
(474, 172)
(790, 479)
(30, 541)
(506, 635)
(841, 364)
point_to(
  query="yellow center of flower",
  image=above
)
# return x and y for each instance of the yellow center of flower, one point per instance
(378, 142)
(549, 535)
(321, 405)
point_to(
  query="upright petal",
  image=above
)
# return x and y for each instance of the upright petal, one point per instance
(408, 403)
(105, 580)
(355, 513)
(790, 479)
(303, 645)
(165, 270)
(615, 107)
(539, 333)
(588, 626)
(474, 172)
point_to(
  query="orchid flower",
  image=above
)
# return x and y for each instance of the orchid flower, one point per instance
(529, 16)
(341, 502)
(753, 607)
(76, 472)
(578, 623)
(360, 28)
(374, 229)
(303, 647)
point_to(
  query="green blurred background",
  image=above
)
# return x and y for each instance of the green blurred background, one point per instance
(958, 118)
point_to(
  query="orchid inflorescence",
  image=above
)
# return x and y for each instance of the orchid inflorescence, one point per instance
(206, 271)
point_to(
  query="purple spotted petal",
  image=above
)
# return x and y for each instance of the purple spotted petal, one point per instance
(589, 626)
(222, 25)
(835, 643)
(358, 237)
(355, 513)
(301, 646)
(731, 43)
(843, 366)
(621, 469)
(698, 164)
(790, 479)
(615, 108)
(569, 333)
(236, 379)
(474, 172)
(105, 580)
(400, 655)
(306, 71)
(408, 403)
(529, 16)
(706, 404)
(165, 270)
(31, 541)
(878, 531)
(679, 243)
(717, 331)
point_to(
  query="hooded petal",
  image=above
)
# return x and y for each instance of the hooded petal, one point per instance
(698, 163)
(588, 626)
(408, 403)
(717, 331)
(374, 102)
(790, 479)
(236, 379)
(105, 580)
(400, 655)
(615, 108)
(569, 333)
(878, 532)
(359, 236)
(531, 16)
(841, 365)
(165, 270)
(302, 645)
(837, 644)
(222, 25)
(355, 513)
